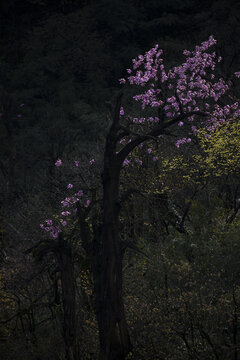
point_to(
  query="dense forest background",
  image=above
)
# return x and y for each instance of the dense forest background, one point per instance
(60, 62)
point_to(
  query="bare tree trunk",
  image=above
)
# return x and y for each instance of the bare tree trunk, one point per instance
(64, 254)
(113, 332)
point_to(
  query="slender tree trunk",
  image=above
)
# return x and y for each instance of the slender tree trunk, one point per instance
(68, 298)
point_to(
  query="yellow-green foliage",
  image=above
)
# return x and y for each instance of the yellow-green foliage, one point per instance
(221, 148)
(217, 154)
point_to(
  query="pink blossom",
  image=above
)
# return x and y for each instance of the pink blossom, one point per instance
(87, 203)
(58, 162)
(194, 129)
(139, 162)
(186, 53)
(65, 203)
(70, 186)
(79, 193)
(54, 234)
(65, 213)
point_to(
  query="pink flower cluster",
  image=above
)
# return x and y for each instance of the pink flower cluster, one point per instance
(53, 230)
(183, 89)
(182, 141)
(70, 203)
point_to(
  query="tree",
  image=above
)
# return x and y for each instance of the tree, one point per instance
(172, 100)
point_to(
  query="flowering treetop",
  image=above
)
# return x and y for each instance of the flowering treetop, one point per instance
(183, 94)
(182, 91)
(69, 206)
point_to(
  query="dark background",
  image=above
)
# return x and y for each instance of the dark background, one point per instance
(63, 59)
(60, 62)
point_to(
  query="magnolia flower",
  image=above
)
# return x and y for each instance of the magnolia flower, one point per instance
(58, 162)
(65, 213)
(126, 162)
(54, 234)
(87, 203)
(65, 203)
(138, 161)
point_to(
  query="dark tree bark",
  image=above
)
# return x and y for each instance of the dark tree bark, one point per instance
(114, 337)
(105, 248)
(113, 332)
(65, 261)
(62, 250)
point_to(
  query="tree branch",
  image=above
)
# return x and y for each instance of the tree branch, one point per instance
(154, 133)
